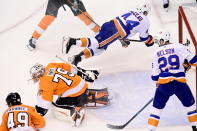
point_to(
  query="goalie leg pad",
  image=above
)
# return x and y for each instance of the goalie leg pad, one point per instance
(97, 97)
(66, 113)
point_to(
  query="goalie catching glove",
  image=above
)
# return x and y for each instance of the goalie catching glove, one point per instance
(88, 75)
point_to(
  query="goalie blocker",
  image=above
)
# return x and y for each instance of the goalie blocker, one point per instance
(72, 108)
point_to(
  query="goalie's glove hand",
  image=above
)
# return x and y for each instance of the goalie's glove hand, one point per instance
(186, 65)
(125, 43)
(87, 75)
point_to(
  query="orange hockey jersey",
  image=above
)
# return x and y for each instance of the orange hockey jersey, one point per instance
(58, 80)
(21, 117)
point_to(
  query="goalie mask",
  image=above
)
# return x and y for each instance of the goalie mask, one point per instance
(145, 7)
(163, 37)
(37, 71)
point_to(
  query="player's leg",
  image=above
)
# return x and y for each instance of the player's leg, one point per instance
(160, 99)
(78, 9)
(185, 96)
(50, 15)
(97, 97)
(69, 106)
(107, 35)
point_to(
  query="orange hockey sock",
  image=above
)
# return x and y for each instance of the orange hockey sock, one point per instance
(87, 53)
(88, 20)
(43, 25)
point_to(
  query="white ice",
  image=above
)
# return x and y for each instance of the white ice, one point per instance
(126, 72)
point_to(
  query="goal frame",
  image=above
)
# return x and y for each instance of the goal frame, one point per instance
(183, 18)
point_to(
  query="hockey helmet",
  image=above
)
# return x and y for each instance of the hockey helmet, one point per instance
(13, 99)
(163, 37)
(37, 71)
(144, 7)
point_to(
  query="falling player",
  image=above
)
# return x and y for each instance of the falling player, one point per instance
(78, 9)
(168, 72)
(66, 82)
(19, 117)
(121, 28)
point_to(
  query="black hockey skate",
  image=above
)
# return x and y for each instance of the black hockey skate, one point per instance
(32, 44)
(166, 5)
(75, 59)
(68, 43)
(194, 128)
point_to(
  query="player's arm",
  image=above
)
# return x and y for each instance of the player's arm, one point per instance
(145, 36)
(155, 70)
(190, 58)
(38, 120)
(3, 126)
(44, 98)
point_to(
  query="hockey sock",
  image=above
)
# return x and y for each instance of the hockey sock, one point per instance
(154, 118)
(87, 19)
(88, 52)
(83, 42)
(192, 117)
(43, 25)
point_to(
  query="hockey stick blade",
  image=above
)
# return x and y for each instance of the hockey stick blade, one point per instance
(136, 114)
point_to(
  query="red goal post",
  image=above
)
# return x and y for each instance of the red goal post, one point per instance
(183, 19)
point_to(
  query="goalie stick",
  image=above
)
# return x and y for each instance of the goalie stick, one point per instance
(136, 114)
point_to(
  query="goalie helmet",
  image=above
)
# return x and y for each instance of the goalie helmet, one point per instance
(37, 71)
(145, 7)
(13, 99)
(163, 37)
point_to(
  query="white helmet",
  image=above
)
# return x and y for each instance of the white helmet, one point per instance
(164, 35)
(37, 71)
(145, 7)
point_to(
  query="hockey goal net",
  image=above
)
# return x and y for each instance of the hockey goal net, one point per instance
(187, 28)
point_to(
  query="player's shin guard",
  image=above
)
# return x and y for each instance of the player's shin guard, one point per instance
(88, 20)
(43, 25)
(154, 118)
(192, 116)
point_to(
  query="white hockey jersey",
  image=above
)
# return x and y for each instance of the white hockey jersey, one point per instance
(132, 23)
(168, 63)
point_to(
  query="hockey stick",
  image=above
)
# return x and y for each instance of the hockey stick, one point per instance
(136, 114)
(75, 67)
(132, 40)
(82, 12)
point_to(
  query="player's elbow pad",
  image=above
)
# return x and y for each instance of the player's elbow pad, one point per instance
(41, 110)
(150, 41)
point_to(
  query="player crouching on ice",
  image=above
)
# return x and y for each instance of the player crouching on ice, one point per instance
(122, 27)
(70, 85)
(168, 72)
(20, 117)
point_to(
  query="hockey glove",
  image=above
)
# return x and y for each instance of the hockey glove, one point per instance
(150, 41)
(125, 43)
(87, 75)
(186, 65)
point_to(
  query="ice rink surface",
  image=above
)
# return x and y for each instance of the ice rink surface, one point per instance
(126, 72)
